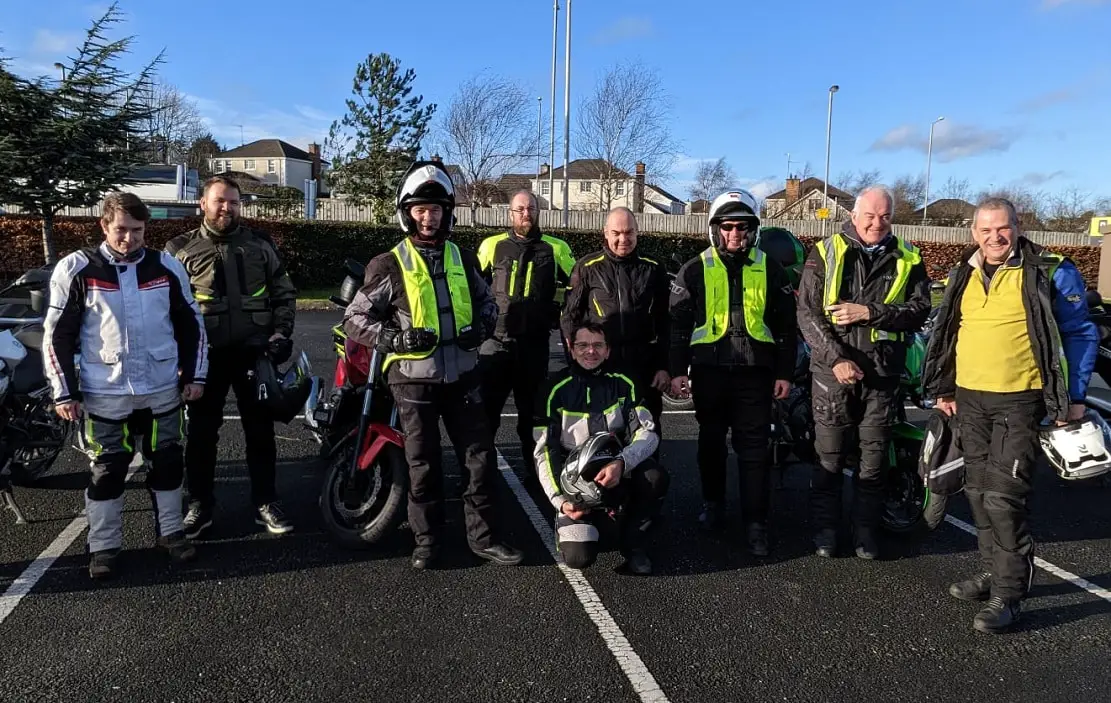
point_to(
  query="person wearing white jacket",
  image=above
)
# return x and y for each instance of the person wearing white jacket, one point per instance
(123, 344)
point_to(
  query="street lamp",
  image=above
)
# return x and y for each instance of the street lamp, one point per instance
(62, 68)
(929, 157)
(829, 128)
(539, 128)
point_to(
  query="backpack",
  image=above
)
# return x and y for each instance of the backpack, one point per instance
(940, 466)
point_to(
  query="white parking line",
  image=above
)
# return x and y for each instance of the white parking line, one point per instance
(1042, 564)
(642, 681)
(1045, 565)
(38, 568)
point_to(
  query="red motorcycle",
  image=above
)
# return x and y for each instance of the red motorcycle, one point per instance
(363, 498)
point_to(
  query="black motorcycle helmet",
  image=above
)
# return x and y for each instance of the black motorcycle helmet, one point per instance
(783, 246)
(283, 394)
(426, 183)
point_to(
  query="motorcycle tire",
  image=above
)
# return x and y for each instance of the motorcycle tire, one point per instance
(383, 498)
(906, 496)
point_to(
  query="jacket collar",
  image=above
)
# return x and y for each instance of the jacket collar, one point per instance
(115, 260)
(853, 237)
(1023, 247)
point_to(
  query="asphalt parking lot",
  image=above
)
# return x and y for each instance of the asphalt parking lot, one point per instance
(296, 618)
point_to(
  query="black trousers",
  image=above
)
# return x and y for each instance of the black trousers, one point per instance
(641, 494)
(420, 407)
(737, 399)
(999, 438)
(519, 367)
(227, 370)
(861, 413)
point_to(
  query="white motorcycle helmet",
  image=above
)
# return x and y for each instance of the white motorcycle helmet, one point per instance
(426, 183)
(1079, 449)
(735, 204)
(582, 467)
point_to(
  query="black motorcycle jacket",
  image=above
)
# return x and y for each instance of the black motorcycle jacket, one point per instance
(736, 348)
(240, 284)
(628, 296)
(528, 277)
(865, 280)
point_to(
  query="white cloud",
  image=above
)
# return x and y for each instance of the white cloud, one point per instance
(761, 187)
(50, 42)
(627, 28)
(1037, 178)
(301, 126)
(952, 140)
(1049, 99)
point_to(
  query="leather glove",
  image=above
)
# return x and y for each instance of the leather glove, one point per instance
(279, 350)
(470, 338)
(407, 342)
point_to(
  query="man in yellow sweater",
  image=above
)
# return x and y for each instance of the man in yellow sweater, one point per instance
(1012, 345)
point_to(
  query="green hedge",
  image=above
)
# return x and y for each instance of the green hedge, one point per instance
(314, 251)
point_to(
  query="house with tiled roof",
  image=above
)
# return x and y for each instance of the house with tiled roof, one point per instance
(274, 162)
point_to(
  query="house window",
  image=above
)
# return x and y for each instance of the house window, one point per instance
(271, 166)
(619, 188)
(584, 186)
(248, 164)
(544, 187)
(227, 165)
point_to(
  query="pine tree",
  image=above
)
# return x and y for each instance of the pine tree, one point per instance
(65, 144)
(373, 144)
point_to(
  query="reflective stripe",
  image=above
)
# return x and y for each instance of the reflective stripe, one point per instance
(420, 293)
(528, 279)
(258, 292)
(946, 468)
(832, 251)
(203, 297)
(597, 307)
(754, 277)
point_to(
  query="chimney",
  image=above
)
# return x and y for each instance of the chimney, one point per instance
(638, 188)
(792, 190)
(437, 159)
(314, 152)
(544, 169)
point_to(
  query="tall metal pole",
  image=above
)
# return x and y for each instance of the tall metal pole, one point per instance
(539, 136)
(551, 103)
(567, 118)
(929, 158)
(829, 128)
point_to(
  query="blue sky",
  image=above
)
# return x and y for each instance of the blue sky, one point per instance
(1024, 85)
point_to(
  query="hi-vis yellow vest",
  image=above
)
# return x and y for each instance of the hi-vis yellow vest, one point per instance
(715, 277)
(420, 291)
(832, 251)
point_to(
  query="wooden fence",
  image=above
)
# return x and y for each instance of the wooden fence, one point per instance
(594, 221)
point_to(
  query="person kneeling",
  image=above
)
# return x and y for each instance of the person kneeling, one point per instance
(594, 443)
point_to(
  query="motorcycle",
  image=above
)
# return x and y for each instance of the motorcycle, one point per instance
(356, 423)
(31, 433)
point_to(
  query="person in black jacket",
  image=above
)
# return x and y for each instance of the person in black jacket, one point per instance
(740, 352)
(863, 293)
(528, 273)
(627, 294)
(580, 401)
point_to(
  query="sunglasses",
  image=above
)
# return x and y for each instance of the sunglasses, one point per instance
(739, 226)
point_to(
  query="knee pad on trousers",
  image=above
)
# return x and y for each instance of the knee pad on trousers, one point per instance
(109, 474)
(577, 541)
(167, 469)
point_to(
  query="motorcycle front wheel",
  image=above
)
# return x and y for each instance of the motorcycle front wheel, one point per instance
(360, 511)
(905, 496)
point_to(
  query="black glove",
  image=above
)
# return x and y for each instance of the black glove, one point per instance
(279, 350)
(408, 342)
(471, 338)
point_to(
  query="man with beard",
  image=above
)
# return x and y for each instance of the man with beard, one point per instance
(627, 294)
(425, 304)
(248, 303)
(529, 273)
(864, 293)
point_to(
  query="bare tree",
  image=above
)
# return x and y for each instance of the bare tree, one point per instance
(174, 123)
(624, 121)
(1029, 204)
(854, 182)
(1070, 210)
(806, 172)
(712, 179)
(910, 193)
(957, 189)
(489, 129)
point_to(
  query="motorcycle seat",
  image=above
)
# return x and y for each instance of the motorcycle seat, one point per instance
(29, 376)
